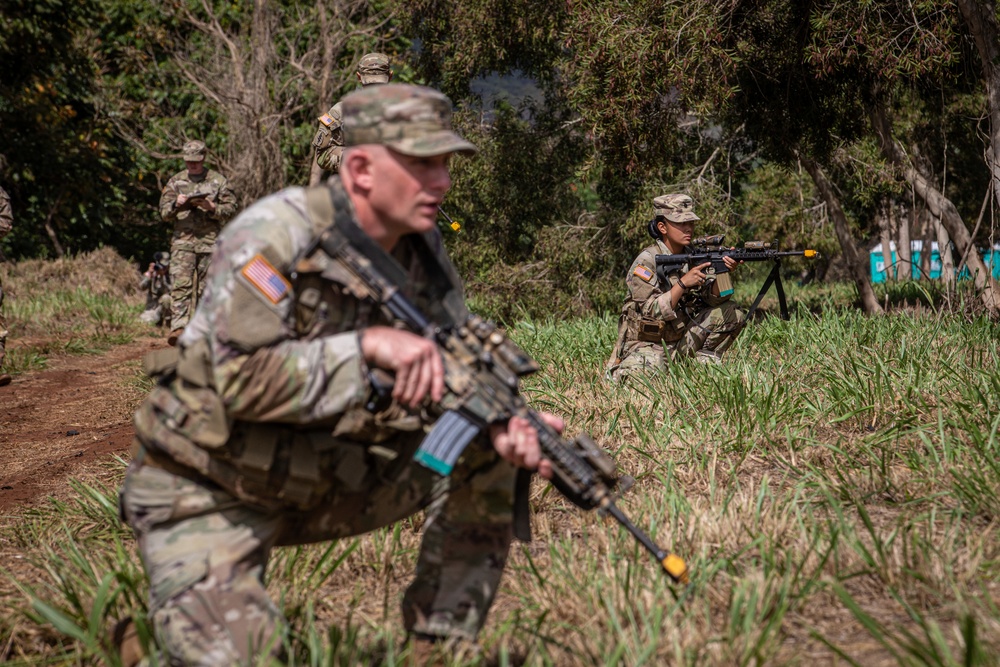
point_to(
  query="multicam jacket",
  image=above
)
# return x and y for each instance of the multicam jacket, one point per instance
(329, 140)
(195, 230)
(647, 316)
(271, 374)
(6, 216)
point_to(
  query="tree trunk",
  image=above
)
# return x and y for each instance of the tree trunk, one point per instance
(857, 263)
(981, 20)
(51, 230)
(927, 239)
(944, 248)
(904, 266)
(939, 206)
(885, 238)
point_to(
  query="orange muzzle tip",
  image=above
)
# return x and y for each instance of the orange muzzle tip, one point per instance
(676, 568)
(810, 253)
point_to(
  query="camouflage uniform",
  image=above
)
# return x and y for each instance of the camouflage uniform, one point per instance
(6, 224)
(195, 231)
(329, 140)
(156, 282)
(259, 435)
(651, 332)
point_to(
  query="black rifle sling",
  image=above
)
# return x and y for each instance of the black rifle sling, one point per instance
(442, 296)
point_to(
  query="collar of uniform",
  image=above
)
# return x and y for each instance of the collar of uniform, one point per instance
(662, 247)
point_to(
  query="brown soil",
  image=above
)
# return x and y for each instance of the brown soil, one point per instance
(57, 423)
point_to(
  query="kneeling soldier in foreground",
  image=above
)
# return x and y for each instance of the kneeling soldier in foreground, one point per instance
(687, 315)
(268, 429)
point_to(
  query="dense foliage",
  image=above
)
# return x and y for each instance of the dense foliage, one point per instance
(720, 98)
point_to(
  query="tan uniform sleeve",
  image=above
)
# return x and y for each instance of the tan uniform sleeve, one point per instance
(6, 214)
(168, 202)
(645, 290)
(260, 369)
(225, 202)
(329, 140)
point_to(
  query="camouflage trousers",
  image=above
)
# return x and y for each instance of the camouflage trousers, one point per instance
(711, 330)
(3, 331)
(205, 551)
(188, 273)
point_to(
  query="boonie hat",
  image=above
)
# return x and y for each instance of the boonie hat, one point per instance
(412, 120)
(374, 68)
(194, 151)
(675, 208)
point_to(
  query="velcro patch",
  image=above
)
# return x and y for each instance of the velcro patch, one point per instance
(643, 273)
(326, 119)
(266, 279)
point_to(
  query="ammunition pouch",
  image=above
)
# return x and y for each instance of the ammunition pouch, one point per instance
(650, 331)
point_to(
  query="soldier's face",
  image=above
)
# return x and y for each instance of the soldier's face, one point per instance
(194, 167)
(406, 191)
(679, 233)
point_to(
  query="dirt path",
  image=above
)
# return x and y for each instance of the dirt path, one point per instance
(57, 423)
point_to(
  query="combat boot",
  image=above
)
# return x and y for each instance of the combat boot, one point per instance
(174, 335)
(708, 357)
(5, 379)
(439, 652)
(125, 637)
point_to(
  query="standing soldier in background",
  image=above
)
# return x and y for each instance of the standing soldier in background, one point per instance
(329, 139)
(687, 316)
(198, 201)
(6, 224)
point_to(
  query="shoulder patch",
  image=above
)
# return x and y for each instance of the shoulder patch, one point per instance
(326, 119)
(643, 273)
(266, 279)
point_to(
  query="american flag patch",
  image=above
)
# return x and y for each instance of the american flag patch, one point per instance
(643, 273)
(326, 119)
(265, 278)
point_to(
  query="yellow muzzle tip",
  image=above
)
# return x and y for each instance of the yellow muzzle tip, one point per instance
(810, 253)
(455, 226)
(676, 568)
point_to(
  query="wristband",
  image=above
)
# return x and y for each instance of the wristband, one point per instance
(684, 288)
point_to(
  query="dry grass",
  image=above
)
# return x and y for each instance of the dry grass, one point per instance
(76, 305)
(834, 487)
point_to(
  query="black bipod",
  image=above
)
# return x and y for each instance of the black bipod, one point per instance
(773, 277)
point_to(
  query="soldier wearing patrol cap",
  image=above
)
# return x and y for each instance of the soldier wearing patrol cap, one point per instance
(686, 316)
(198, 202)
(329, 140)
(262, 429)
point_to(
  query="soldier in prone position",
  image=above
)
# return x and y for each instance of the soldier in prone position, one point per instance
(198, 202)
(263, 429)
(690, 315)
(329, 140)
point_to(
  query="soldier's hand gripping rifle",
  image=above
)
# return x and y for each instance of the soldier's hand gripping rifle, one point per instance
(482, 369)
(710, 250)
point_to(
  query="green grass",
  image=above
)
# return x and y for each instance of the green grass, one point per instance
(834, 487)
(77, 305)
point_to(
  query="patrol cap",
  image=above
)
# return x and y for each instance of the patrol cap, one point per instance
(374, 68)
(194, 151)
(412, 120)
(675, 208)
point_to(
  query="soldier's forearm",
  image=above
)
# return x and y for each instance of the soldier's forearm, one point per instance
(295, 381)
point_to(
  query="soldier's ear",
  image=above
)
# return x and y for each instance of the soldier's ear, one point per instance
(390, 76)
(357, 165)
(661, 226)
(358, 74)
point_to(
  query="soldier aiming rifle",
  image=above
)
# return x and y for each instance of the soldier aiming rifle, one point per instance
(710, 251)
